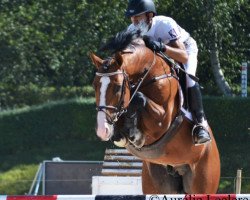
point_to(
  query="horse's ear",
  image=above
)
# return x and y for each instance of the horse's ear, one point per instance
(118, 58)
(96, 60)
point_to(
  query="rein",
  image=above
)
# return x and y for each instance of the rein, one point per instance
(142, 79)
(119, 109)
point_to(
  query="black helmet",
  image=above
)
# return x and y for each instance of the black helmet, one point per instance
(136, 7)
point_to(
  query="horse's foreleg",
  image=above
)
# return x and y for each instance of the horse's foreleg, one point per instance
(142, 114)
(148, 187)
(157, 180)
(141, 103)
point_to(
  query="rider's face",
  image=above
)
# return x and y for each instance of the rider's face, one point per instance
(138, 18)
(141, 23)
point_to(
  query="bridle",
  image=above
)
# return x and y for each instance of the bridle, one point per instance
(119, 108)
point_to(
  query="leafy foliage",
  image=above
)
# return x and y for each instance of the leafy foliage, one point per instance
(47, 43)
(18, 179)
(220, 20)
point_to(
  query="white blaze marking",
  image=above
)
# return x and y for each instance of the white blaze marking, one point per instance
(102, 127)
(104, 86)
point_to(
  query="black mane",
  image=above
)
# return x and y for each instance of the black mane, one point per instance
(120, 41)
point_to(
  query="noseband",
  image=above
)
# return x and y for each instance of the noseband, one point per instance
(119, 109)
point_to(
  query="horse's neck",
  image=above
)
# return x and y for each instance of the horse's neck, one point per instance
(158, 84)
(165, 83)
(163, 89)
(137, 62)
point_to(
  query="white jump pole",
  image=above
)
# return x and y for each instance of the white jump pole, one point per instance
(238, 181)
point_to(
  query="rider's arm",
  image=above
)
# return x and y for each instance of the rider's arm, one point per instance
(176, 50)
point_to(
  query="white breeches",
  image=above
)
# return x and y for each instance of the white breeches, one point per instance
(191, 65)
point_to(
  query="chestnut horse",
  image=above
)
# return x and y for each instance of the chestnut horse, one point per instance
(162, 137)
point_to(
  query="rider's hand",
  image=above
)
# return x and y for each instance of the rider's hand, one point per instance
(155, 45)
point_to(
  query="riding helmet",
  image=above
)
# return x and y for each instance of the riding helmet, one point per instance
(136, 7)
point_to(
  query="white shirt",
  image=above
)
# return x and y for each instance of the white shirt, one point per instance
(165, 29)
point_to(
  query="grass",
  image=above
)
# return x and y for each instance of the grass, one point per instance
(18, 179)
(234, 155)
(18, 171)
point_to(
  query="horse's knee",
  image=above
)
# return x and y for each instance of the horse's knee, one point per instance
(135, 136)
(137, 103)
(139, 99)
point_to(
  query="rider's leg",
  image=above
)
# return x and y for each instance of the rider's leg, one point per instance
(194, 98)
(195, 105)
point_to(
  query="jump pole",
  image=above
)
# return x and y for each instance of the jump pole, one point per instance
(132, 197)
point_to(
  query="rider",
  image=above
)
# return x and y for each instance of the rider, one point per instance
(168, 37)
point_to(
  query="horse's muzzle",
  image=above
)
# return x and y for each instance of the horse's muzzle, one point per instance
(105, 132)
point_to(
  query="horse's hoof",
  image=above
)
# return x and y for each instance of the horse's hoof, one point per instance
(137, 140)
(123, 142)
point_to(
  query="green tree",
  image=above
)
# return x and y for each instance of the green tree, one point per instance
(47, 43)
(213, 23)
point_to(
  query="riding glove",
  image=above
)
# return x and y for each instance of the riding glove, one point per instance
(156, 46)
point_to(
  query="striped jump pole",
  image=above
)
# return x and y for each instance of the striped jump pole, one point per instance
(130, 197)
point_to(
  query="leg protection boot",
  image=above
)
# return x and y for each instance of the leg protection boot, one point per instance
(199, 132)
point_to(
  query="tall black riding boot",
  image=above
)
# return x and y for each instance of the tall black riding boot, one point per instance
(200, 133)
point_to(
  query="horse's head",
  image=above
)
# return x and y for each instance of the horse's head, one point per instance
(117, 80)
(111, 83)
(112, 93)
